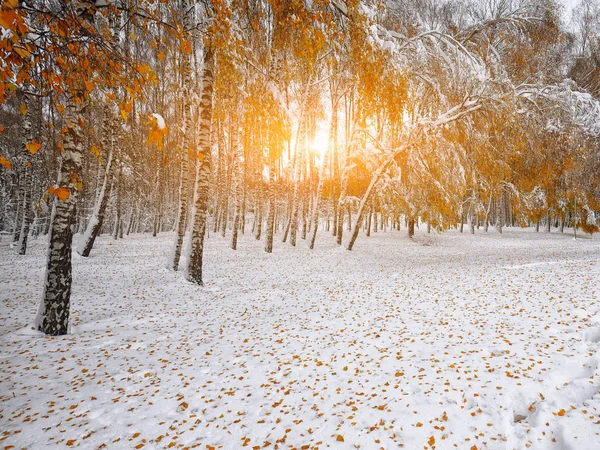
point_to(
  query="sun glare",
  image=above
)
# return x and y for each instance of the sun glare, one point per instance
(320, 143)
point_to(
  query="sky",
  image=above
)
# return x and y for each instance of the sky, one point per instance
(569, 4)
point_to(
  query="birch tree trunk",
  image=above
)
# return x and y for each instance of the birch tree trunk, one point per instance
(95, 224)
(117, 225)
(296, 197)
(271, 200)
(27, 183)
(156, 226)
(237, 181)
(184, 186)
(195, 261)
(20, 202)
(53, 313)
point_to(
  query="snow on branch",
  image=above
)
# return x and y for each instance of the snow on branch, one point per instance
(579, 108)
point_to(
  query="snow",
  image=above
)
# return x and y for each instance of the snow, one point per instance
(160, 121)
(448, 340)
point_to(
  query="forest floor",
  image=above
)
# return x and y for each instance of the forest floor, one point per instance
(447, 341)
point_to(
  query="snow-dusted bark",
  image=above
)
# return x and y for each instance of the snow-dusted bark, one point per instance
(296, 196)
(184, 186)
(86, 243)
(195, 260)
(20, 197)
(28, 213)
(258, 211)
(270, 231)
(237, 180)
(158, 208)
(118, 225)
(53, 313)
(27, 183)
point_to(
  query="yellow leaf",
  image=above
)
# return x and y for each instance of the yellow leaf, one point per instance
(419, 424)
(5, 162)
(62, 193)
(95, 150)
(339, 438)
(23, 109)
(10, 4)
(7, 18)
(22, 52)
(186, 48)
(561, 412)
(33, 147)
(161, 56)
(431, 441)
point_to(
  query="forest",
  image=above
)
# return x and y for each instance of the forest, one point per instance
(180, 134)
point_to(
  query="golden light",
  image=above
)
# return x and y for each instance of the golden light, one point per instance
(319, 145)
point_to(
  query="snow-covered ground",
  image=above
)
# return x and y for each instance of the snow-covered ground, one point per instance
(450, 341)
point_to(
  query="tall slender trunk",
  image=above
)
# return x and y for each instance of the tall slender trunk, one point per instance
(411, 225)
(28, 184)
(500, 213)
(375, 219)
(220, 181)
(295, 198)
(271, 201)
(95, 224)
(20, 202)
(184, 186)
(226, 189)
(259, 212)
(195, 262)
(238, 181)
(53, 313)
(131, 217)
(315, 210)
(156, 226)
(341, 204)
(118, 191)
(27, 211)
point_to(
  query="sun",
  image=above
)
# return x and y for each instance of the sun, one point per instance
(320, 142)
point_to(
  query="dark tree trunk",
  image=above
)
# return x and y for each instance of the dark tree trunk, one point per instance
(53, 314)
(195, 263)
